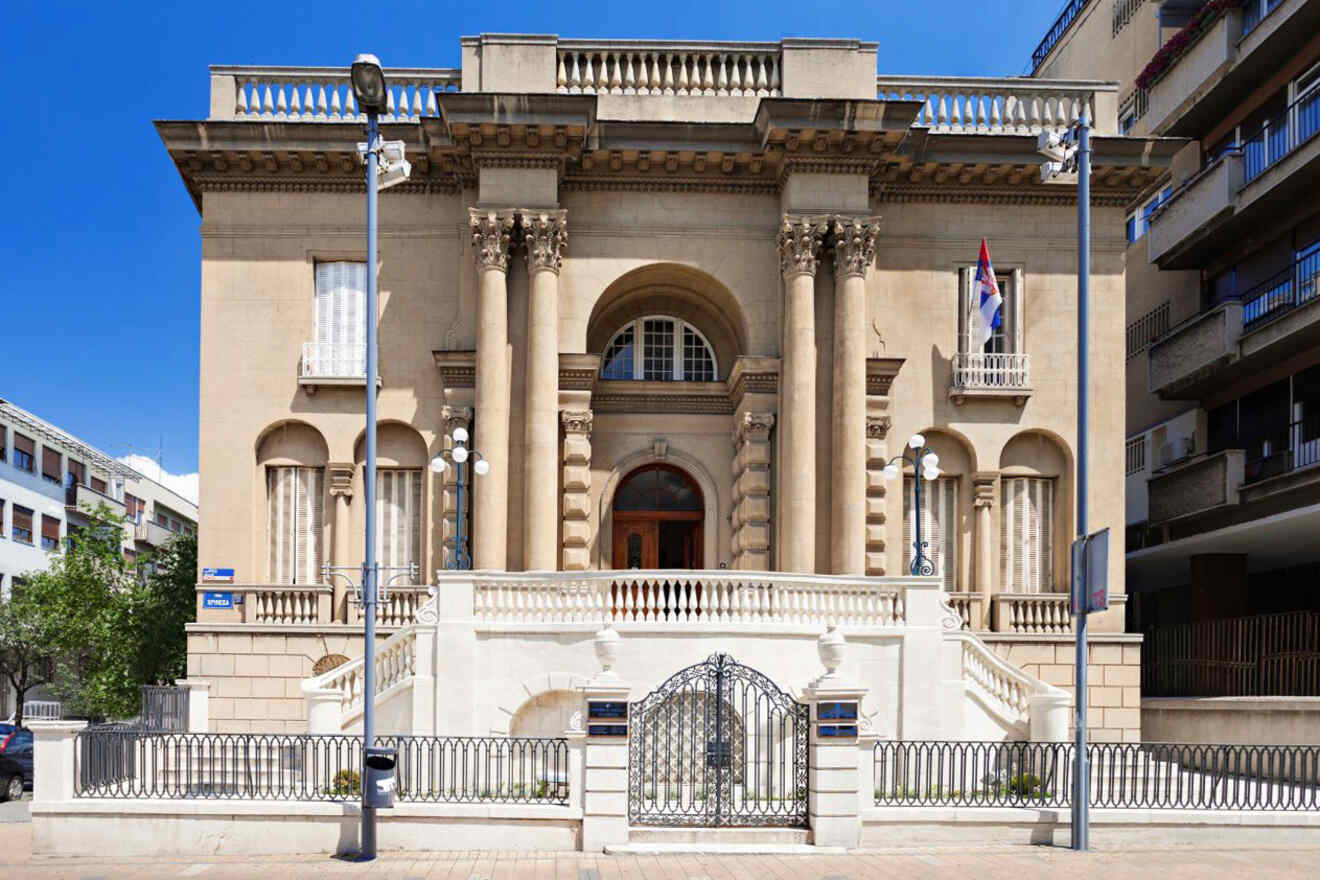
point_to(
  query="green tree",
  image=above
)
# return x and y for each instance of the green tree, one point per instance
(161, 605)
(26, 658)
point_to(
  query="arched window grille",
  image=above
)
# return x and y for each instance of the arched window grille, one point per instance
(659, 349)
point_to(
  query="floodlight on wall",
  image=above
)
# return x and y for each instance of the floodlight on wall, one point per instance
(391, 166)
(368, 83)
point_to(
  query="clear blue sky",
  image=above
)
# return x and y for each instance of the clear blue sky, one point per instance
(100, 244)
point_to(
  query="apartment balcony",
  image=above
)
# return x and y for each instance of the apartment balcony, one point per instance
(1194, 213)
(1227, 61)
(84, 498)
(978, 375)
(333, 363)
(1198, 485)
(152, 533)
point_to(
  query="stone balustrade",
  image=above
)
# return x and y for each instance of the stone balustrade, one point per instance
(987, 370)
(1003, 105)
(281, 603)
(322, 94)
(396, 660)
(1038, 613)
(625, 67)
(685, 599)
(968, 608)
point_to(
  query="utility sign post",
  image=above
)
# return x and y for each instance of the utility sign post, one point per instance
(1090, 592)
(1090, 573)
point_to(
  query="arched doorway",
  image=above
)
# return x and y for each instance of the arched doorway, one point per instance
(659, 514)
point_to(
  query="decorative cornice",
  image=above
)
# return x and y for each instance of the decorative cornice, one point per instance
(452, 417)
(546, 235)
(484, 159)
(670, 184)
(800, 238)
(854, 244)
(606, 401)
(753, 428)
(983, 488)
(577, 372)
(341, 479)
(491, 236)
(826, 165)
(1046, 195)
(458, 369)
(877, 427)
(880, 374)
(576, 421)
(318, 185)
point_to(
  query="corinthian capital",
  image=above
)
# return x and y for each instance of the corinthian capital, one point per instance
(546, 236)
(799, 240)
(491, 231)
(854, 244)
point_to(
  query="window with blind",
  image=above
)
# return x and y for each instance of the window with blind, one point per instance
(22, 529)
(24, 450)
(939, 526)
(134, 507)
(294, 516)
(1026, 548)
(4, 443)
(77, 473)
(399, 519)
(50, 532)
(50, 464)
(341, 302)
(98, 485)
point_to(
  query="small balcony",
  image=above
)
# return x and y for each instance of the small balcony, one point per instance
(151, 533)
(84, 498)
(333, 363)
(1198, 485)
(1181, 230)
(1204, 62)
(1190, 354)
(987, 375)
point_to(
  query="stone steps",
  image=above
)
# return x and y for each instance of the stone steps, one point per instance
(781, 841)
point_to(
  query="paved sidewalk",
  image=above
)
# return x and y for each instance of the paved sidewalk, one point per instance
(1005, 863)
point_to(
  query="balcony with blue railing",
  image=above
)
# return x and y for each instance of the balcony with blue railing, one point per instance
(1281, 293)
(1281, 135)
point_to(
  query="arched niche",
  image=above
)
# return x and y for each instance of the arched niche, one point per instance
(292, 443)
(547, 714)
(678, 460)
(1034, 454)
(397, 445)
(677, 291)
(1043, 455)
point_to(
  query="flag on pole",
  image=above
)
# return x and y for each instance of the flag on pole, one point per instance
(987, 303)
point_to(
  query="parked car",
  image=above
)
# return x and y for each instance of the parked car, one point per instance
(15, 761)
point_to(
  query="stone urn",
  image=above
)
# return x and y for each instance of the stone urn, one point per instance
(830, 648)
(607, 649)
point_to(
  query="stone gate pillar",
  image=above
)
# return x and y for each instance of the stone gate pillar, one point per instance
(835, 780)
(605, 757)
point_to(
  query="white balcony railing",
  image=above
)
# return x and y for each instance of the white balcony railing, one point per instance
(1002, 105)
(616, 67)
(981, 371)
(322, 94)
(333, 360)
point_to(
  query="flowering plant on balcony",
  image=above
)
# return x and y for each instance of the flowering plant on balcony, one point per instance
(1180, 42)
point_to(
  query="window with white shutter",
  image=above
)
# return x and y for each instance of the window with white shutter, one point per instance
(399, 518)
(1026, 547)
(341, 300)
(294, 518)
(939, 526)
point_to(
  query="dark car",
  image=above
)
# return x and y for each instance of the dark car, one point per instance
(15, 761)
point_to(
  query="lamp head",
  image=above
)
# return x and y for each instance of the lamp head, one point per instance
(931, 474)
(459, 453)
(438, 464)
(916, 441)
(930, 461)
(368, 83)
(482, 466)
(460, 435)
(891, 471)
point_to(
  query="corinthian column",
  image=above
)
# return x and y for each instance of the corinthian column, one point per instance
(490, 493)
(546, 237)
(854, 249)
(799, 240)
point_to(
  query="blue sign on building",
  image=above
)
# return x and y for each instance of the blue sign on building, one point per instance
(220, 575)
(217, 600)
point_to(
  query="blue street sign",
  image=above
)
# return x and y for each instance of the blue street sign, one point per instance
(218, 575)
(217, 600)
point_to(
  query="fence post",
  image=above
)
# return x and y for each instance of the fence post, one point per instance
(866, 743)
(423, 689)
(199, 703)
(834, 778)
(1048, 714)
(577, 744)
(53, 760)
(604, 758)
(323, 708)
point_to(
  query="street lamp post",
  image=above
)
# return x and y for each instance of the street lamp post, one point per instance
(459, 454)
(1067, 153)
(924, 459)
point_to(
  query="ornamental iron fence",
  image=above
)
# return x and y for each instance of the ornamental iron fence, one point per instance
(1148, 776)
(1267, 655)
(123, 762)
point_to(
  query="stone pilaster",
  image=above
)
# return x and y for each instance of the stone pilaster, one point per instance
(452, 418)
(751, 491)
(854, 251)
(983, 503)
(545, 235)
(877, 448)
(339, 478)
(576, 554)
(491, 237)
(799, 242)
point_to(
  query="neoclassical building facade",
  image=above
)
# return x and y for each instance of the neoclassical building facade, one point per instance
(687, 299)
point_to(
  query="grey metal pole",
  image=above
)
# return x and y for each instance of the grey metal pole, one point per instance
(1081, 821)
(369, 573)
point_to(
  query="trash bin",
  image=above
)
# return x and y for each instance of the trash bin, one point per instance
(378, 787)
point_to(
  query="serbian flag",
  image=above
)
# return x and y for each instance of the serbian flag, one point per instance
(988, 303)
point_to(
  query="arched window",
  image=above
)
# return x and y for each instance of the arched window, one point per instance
(659, 349)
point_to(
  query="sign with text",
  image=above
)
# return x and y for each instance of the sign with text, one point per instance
(218, 575)
(607, 709)
(1090, 573)
(845, 711)
(607, 730)
(217, 600)
(836, 730)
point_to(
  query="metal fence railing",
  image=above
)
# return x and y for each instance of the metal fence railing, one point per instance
(1122, 775)
(164, 708)
(1266, 655)
(124, 762)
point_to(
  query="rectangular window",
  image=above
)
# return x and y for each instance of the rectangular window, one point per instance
(399, 529)
(939, 526)
(1136, 455)
(1007, 338)
(77, 473)
(162, 520)
(341, 303)
(50, 464)
(1026, 549)
(22, 530)
(174, 525)
(50, 533)
(134, 507)
(24, 451)
(98, 485)
(4, 443)
(294, 524)
(657, 350)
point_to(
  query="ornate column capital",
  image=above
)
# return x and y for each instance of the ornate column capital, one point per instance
(576, 421)
(341, 479)
(753, 428)
(854, 244)
(877, 427)
(491, 236)
(983, 488)
(800, 238)
(452, 417)
(546, 235)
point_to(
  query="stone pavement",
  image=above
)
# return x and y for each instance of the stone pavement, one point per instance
(1004, 863)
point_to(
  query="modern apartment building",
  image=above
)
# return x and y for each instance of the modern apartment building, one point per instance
(51, 480)
(1223, 321)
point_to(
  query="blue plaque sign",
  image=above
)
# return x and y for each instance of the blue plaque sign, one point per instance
(607, 709)
(836, 711)
(217, 600)
(607, 730)
(837, 730)
(218, 575)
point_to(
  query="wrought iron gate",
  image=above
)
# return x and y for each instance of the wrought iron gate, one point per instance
(718, 744)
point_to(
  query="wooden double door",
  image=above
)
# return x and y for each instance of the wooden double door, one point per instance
(658, 539)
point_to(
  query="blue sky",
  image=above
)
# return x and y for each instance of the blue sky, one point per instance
(99, 328)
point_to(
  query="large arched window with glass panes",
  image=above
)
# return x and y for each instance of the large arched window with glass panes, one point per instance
(659, 349)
